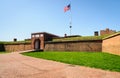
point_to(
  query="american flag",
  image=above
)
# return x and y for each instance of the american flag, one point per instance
(66, 8)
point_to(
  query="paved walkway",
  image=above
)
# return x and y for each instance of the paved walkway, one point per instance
(15, 65)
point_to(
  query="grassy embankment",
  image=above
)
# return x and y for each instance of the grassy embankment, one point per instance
(80, 38)
(11, 42)
(90, 59)
(2, 52)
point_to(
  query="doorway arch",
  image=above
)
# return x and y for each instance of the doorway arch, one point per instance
(37, 44)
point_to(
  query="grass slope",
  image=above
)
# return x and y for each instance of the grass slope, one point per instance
(80, 38)
(1, 52)
(97, 60)
(11, 42)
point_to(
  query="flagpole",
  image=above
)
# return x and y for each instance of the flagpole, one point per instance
(70, 19)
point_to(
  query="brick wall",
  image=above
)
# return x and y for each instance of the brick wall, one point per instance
(112, 44)
(17, 47)
(95, 46)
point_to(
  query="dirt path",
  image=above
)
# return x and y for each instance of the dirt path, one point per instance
(15, 65)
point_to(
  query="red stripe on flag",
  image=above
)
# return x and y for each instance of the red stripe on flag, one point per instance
(66, 8)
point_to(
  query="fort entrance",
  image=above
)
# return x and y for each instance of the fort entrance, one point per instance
(38, 40)
(37, 44)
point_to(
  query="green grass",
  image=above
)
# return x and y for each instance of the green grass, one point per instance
(80, 38)
(1, 52)
(17, 42)
(111, 35)
(90, 59)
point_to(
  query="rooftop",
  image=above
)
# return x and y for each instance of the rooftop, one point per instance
(44, 33)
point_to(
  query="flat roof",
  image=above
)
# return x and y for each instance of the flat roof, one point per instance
(44, 33)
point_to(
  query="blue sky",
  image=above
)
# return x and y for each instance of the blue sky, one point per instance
(20, 18)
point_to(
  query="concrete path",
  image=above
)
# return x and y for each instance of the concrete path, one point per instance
(15, 65)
